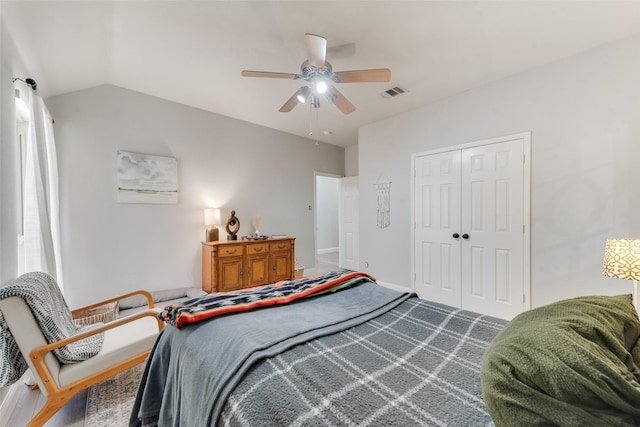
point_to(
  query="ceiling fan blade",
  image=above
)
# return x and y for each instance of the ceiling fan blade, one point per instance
(342, 51)
(338, 99)
(316, 49)
(249, 73)
(291, 102)
(360, 76)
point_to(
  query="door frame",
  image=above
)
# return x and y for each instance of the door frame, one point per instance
(315, 213)
(526, 137)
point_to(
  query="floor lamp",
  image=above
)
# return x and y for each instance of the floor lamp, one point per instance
(622, 261)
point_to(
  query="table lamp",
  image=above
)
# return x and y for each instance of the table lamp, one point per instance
(622, 261)
(211, 221)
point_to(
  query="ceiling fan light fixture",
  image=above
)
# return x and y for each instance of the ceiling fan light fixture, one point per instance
(321, 86)
(315, 101)
(303, 94)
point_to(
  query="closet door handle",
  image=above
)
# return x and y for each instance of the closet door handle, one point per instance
(455, 235)
(465, 236)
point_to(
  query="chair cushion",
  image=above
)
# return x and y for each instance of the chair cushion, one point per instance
(43, 296)
(13, 365)
(120, 343)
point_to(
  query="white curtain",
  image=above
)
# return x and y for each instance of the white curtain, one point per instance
(41, 206)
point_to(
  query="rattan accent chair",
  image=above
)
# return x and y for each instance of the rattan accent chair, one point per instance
(127, 342)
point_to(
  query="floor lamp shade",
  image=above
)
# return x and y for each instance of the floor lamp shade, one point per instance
(211, 221)
(622, 261)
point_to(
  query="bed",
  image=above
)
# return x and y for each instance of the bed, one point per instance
(339, 350)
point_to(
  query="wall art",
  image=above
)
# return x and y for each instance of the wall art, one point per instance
(383, 204)
(145, 178)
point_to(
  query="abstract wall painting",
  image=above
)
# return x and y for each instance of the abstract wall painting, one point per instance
(145, 178)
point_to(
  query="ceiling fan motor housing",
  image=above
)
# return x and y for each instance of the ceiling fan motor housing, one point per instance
(310, 72)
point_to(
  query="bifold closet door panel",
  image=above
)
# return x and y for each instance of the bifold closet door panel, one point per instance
(437, 222)
(492, 257)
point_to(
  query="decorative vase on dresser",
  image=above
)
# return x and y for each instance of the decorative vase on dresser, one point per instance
(237, 264)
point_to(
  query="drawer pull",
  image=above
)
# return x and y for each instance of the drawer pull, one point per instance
(259, 249)
(282, 246)
(230, 252)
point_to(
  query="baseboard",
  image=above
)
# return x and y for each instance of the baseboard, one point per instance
(393, 286)
(327, 251)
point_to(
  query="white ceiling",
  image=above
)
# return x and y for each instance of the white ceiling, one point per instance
(192, 52)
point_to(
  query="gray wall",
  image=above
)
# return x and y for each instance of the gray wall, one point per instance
(584, 114)
(351, 160)
(110, 248)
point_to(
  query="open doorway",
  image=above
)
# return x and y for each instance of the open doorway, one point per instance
(327, 237)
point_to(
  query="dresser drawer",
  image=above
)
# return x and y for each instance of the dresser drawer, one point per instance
(257, 248)
(285, 245)
(233, 250)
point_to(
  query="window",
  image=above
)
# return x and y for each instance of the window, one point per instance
(22, 125)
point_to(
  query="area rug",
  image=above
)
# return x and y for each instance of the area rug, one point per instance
(109, 403)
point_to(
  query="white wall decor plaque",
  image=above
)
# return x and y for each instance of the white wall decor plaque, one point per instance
(383, 205)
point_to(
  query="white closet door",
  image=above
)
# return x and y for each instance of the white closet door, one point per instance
(437, 219)
(492, 218)
(348, 225)
(470, 207)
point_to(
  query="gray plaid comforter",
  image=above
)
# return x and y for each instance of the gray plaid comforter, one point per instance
(416, 365)
(366, 355)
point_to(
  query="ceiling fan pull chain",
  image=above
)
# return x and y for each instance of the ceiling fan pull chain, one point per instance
(310, 120)
(317, 120)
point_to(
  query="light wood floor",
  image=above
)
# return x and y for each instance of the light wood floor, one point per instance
(29, 402)
(327, 261)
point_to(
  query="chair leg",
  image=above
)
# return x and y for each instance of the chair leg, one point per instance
(51, 406)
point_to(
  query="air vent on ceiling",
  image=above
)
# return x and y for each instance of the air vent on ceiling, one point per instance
(393, 92)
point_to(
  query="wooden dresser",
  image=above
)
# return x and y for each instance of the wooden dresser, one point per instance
(235, 264)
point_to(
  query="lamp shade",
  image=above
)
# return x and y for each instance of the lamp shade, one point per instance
(622, 259)
(212, 216)
(302, 94)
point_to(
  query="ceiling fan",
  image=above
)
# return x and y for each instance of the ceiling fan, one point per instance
(319, 75)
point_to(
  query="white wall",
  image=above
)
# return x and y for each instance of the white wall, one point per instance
(327, 213)
(10, 66)
(110, 248)
(584, 114)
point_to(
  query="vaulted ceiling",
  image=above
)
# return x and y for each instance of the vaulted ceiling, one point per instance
(192, 52)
